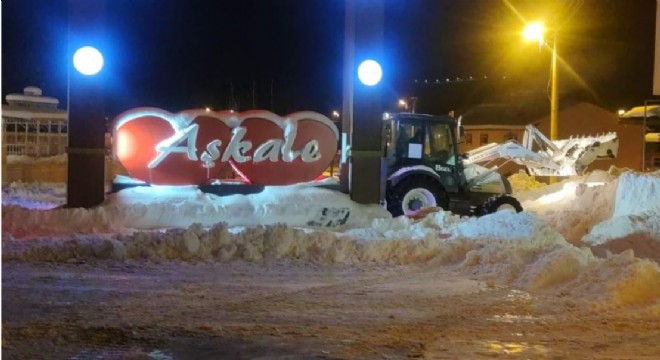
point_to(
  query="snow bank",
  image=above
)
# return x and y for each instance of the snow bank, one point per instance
(162, 207)
(442, 237)
(39, 196)
(528, 250)
(505, 248)
(24, 159)
(619, 280)
(635, 223)
(297, 205)
(582, 205)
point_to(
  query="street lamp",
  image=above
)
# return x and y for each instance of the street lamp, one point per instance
(403, 104)
(370, 72)
(88, 60)
(535, 32)
(87, 127)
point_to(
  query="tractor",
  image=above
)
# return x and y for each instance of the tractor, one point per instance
(423, 168)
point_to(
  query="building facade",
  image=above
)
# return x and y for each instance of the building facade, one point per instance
(33, 125)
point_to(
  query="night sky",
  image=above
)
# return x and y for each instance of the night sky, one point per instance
(286, 55)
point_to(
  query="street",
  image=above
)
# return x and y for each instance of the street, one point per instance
(237, 310)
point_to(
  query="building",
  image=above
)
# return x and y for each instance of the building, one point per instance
(494, 123)
(649, 119)
(490, 123)
(32, 125)
(35, 137)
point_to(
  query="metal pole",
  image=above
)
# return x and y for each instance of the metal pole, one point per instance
(646, 104)
(347, 104)
(366, 172)
(554, 101)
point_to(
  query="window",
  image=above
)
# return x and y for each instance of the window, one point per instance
(510, 136)
(440, 147)
(409, 139)
(483, 139)
(468, 139)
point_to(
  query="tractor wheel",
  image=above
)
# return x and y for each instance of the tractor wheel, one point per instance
(414, 193)
(498, 203)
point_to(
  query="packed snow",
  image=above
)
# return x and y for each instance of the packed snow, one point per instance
(595, 237)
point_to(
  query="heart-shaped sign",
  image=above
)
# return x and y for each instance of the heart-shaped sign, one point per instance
(194, 147)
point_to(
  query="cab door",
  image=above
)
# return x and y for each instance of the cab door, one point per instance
(439, 153)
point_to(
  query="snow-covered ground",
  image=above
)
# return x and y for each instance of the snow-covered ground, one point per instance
(596, 237)
(174, 273)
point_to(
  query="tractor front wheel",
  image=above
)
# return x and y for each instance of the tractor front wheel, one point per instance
(499, 203)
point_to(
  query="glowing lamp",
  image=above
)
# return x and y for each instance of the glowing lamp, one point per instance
(534, 32)
(88, 60)
(370, 72)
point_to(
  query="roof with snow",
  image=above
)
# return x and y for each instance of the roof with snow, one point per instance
(499, 114)
(638, 112)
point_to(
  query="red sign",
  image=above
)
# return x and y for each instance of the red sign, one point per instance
(194, 147)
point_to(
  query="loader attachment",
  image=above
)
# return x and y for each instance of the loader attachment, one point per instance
(566, 157)
(574, 155)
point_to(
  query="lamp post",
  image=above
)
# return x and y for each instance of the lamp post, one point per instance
(536, 32)
(86, 148)
(362, 110)
(554, 99)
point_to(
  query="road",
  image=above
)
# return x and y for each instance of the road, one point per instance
(215, 310)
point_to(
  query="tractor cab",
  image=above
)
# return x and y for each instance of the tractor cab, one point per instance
(423, 168)
(425, 143)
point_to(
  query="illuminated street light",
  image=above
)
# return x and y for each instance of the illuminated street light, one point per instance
(86, 150)
(335, 114)
(403, 104)
(88, 60)
(370, 72)
(535, 32)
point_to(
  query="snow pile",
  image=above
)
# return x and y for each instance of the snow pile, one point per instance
(563, 193)
(161, 207)
(638, 194)
(296, 205)
(525, 250)
(619, 280)
(580, 207)
(504, 248)
(22, 222)
(522, 182)
(442, 237)
(635, 219)
(40, 196)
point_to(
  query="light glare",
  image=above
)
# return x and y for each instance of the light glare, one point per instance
(88, 60)
(534, 32)
(370, 72)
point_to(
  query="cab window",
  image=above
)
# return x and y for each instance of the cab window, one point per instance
(440, 144)
(410, 139)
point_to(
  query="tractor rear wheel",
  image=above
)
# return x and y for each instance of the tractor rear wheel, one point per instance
(415, 193)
